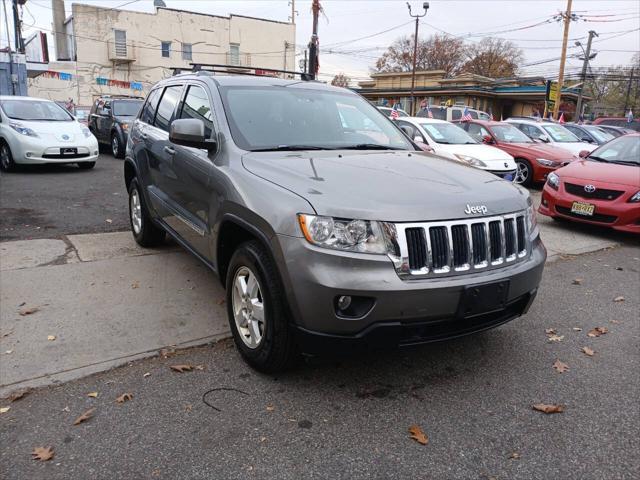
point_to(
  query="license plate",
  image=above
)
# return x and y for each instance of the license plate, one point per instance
(68, 151)
(479, 299)
(582, 208)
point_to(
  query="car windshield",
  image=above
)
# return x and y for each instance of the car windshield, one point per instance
(600, 135)
(509, 134)
(126, 108)
(447, 133)
(624, 150)
(33, 110)
(295, 118)
(560, 134)
(483, 116)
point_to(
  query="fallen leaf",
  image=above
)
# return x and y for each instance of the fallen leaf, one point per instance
(18, 394)
(596, 332)
(515, 456)
(147, 374)
(561, 367)
(615, 322)
(125, 397)
(4, 409)
(588, 351)
(92, 394)
(619, 299)
(108, 220)
(270, 408)
(188, 407)
(28, 310)
(577, 329)
(84, 417)
(8, 352)
(550, 331)
(577, 281)
(199, 367)
(220, 302)
(556, 338)
(262, 439)
(416, 433)
(42, 453)
(543, 407)
(7, 334)
(135, 284)
(51, 338)
(66, 409)
(181, 368)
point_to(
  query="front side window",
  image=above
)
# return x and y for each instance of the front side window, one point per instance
(272, 118)
(187, 53)
(598, 134)
(167, 107)
(560, 134)
(166, 49)
(149, 109)
(197, 105)
(477, 131)
(447, 133)
(456, 114)
(34, 110)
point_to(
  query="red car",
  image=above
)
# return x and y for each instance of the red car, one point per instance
(534, 160)
(602, 189)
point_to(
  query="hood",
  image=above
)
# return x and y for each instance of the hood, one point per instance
(575, 147)
(600, 172)
(396, 186)
(538, 150)
(61, 131)
(492, 156)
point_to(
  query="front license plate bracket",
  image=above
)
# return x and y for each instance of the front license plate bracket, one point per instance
(485, 298)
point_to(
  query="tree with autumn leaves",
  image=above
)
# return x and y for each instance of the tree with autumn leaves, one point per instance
(341, 80)
(491, 57)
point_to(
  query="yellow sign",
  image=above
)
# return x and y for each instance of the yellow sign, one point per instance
(553, 91)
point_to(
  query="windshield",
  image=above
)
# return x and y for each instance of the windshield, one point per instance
(600, 135)
(560, 134)
(509, 134)
(625, 149)
(34, 110)
(294, 118)
(447, 133)
(127, 108)
(483, 116)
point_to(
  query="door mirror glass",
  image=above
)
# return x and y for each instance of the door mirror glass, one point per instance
(190, 133)
(487, 139)
(544, 138)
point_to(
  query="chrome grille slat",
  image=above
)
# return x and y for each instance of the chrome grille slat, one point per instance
(460, 246)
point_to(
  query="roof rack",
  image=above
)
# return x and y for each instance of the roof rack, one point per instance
(238, 70)
(118, 95)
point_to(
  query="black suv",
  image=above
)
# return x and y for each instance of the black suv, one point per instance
(110, 118)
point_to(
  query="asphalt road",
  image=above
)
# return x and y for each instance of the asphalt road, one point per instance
(50, 201)
(349, 418)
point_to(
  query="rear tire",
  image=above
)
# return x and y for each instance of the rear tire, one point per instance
(524, 172)
(274, 349)
(86, 165)
(117, 148)
(145, 232)
(6, 158)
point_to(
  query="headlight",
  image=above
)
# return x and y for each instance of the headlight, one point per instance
(86, 132)
(343, 234)
(531, 218)
(470, 160)
(547, 163)
(553, 180)
(635, 198)
(23, 130)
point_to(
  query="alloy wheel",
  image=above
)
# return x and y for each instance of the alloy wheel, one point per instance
(248, 307)
(522, 172)
(4, 157)
(136, 211)
(114, 146)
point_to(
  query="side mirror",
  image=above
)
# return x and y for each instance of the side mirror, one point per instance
(487, 139)
(418, 139)
(584, 153)
(190, 133)
(408, 131)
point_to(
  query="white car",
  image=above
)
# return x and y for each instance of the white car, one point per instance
(387, 111)
(38, 131)
(450, 141)
(553, 134)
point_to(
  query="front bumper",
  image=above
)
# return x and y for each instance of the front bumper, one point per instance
(508, 175)
(315, 277)
(35, 151)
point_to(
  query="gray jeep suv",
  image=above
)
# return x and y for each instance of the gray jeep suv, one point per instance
(327, 227)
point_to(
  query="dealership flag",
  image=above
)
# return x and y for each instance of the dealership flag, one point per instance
(630, 116)
(429, 112)
(561, 119)
(466, 116)
(394, 113)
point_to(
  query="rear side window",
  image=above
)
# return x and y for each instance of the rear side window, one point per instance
(456, 114)
(167, 107)
(197, 105)
(149, 109)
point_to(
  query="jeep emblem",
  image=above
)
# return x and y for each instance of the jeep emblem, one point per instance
(475, 209)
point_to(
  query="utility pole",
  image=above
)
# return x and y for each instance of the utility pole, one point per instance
(425, 6)
(626, 100)
(563, 57)
(313, 44)
(583, 76)
(294, 12)
(17, 28)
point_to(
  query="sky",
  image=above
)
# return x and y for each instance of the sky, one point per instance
(354, 33)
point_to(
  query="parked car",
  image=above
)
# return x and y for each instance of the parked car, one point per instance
(110, 118)
(602, 189)
(618, 122)
(82, 115)
(449, 141)
(451, 114)
(38, 131)
(589, 133)
(552, 133)
(615, 131)
(327, 237)
(387, 111)
(534, 160)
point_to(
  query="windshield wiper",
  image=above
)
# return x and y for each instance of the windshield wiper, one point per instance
(597, 159)
(289, 148)
(625, 162)
(368, 146)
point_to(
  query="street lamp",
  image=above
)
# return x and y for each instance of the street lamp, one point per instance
(425, 6)
(583, 76)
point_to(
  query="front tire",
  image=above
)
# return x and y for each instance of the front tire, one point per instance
(117, 148)
(145, 232)
(524, 172)
(6, 158)
(257, 311)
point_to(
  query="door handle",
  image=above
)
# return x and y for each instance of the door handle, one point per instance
(169, 150)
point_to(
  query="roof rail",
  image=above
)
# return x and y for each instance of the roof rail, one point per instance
(214, 68)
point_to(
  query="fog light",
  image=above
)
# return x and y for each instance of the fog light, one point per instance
(95, 152)
(344, 302)
(29, 154)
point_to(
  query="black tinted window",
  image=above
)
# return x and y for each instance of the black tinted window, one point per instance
(149, 109)
(197, 105)
(456, 114)
(167, 107)
(126, 108)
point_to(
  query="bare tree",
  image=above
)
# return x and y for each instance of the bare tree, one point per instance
(341, 80)
(493, 57)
